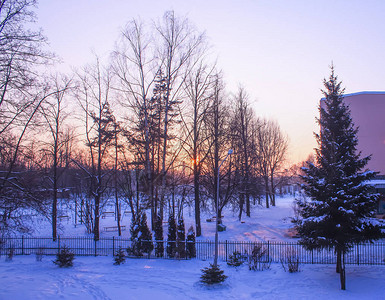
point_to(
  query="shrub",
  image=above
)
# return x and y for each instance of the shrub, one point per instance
(212, 275)
(171, 237)
(259, 259)
(236, 259)
(10, 253)
(145, 235)
(290, 260)
(190, 243)
(39, 254)
(135, 248)
(159, 248)
(119, 257)
(181, 238)
(64, 258)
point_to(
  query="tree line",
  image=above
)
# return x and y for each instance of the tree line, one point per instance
(149, 128)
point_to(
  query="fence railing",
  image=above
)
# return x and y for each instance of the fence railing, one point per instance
(365, 254)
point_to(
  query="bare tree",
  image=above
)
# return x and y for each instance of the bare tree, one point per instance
(217, 126)
(198, 87)
(56, 144)
(179, 49)
(134, 66)
(21, 95)
(242, 134)
(93, 95)
(151, 67)
(271, 148)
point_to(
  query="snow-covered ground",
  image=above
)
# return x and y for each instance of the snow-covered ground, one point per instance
(97, 278)
(264, 224)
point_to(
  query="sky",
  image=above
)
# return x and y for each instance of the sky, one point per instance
(279, 51)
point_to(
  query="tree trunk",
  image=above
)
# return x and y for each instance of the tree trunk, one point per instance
(97, 212)
(54, 203)
(241, 202)
(340, 268)
(54, 213)
(267, 191)
(343, 277)
(338, 265)
(272, 189)
(197, 202)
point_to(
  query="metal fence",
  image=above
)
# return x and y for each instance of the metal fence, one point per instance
(365, 254)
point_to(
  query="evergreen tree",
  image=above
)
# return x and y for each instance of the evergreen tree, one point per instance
(236, 259)
(64, 258)
(135, 248)
(339, 211)
(171, 236)
(159, 248)
(181, 238)
(212, 275)
(190, 247)
(145, 236)
(119, 257)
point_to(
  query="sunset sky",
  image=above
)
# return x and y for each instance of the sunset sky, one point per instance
(280, 51)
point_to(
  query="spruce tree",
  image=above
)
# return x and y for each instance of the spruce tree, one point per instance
(135, 248)
(181, 238)
(119, 257)
(340, 206)
(171, 236)
(190, 243)
(159, 248)
(145, 236)
(212, 275)
(64, 258)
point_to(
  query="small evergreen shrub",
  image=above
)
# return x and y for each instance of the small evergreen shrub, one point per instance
(64, 258)
(236, 259)
(290, 260)
(190, 243)
(135, 248)
(181, 238)
(259, 259)
(159, 247)
(145, 236)
(10, 253)
(212, 275)
(39, 254)
(120, 257)
(171, 237)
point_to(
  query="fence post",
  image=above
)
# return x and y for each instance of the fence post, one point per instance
(113, 246)
(226, 250)
(268, 250)
(358, 255)
(95, 248)
(312, 256)
(22, 245)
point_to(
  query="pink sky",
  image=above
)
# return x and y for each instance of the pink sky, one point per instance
(278, 50)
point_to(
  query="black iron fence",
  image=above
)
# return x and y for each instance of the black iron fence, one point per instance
(365, 254)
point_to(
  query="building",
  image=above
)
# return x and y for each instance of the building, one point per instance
(368, 113)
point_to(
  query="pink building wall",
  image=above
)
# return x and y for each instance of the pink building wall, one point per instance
(368, 113)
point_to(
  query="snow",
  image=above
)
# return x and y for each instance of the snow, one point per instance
(264, 224)
(97, 278)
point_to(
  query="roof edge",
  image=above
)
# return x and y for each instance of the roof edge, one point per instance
(362, 93)
(365, 93)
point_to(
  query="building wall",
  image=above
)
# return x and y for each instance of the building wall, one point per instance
(368, 113)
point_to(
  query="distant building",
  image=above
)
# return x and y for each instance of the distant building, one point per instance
(368, 113)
